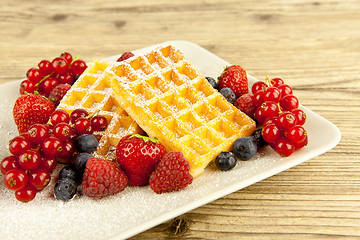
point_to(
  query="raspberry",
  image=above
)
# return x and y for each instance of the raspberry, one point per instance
(245, 104)
(58, 92)
(125, 56)
(171, 174)
(102, 178)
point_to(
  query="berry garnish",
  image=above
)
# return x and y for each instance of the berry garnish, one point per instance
(45, 67)
(78, 67)
(86, 143)
(26, 194)
(245, 147)
(77, 113)
(59, 92)
(235, 78)
(137, 156)
(125, 56)
(30, 160)
(225, 161)
(228, 94)
(60, 65)
(52, 146)
(99, 123)
(289, 102)
(63, 131)
(67, 56)
(26, 87)
(81, 160)
(38, 133)
(102, 178)
(39, 178)
(18, 145)
(70, 173)
(171, 174)
(212, 82)
(59, 116)
(284, 147)
(245, 104)
(9, 163)
(30, 109)
(65, 189)
(16, 179)
(34, 75)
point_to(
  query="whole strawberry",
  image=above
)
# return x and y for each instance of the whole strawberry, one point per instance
(102, 178)
(138, 156)
(235, 78)
(30, 109)
(171, 174)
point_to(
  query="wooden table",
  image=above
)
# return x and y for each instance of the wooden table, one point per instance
(313, 45)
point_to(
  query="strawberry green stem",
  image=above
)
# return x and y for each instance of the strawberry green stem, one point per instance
(154, 140)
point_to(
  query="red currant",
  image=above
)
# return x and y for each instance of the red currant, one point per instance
(77, 113)
(270, 133)
(300, 116)
(302, 144)
(66, 78)
(82, 124)
(258, 98)
(276, 82)
(34, 75)
(78, 67)
(266, 110)
(60, 65)
(48, 85)
(63, 131)
(296, 134)
(67, 153)
(258, 86)
(285, 89)
(26, 194)
(284, 147)
(272, 94)
(67, 56)
(30, 160)
(270, 120)
(39, 178)
(26, 87)
(45, 67)
(48, 163)
(16, 179)
(99, 123)
(18, 145)
(59, 116)
(289, 102)
(38, 133)
(9, 163)
(286, 120)
(52, 147)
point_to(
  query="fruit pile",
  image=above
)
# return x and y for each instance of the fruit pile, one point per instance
(51, 79)
(35, 152)
(275, 108)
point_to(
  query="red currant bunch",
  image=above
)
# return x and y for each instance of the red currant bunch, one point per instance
(277, 109)
(49, 74)
(35, 154)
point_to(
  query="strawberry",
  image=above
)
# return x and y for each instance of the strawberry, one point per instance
(235, 78)
(138, 156)
(171, 174)
(30, 109)
(102, 178)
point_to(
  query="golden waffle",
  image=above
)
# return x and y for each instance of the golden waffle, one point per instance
(92, 92)
(171, 100)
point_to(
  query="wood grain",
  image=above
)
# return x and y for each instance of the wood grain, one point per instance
(313, 45)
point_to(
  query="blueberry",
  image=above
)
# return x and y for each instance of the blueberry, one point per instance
(260, 141)
(245, 147)
(69, 172)
(65, 189)
(86, 143)
(228, 94)
(81, 160)
(212, 82)
(225, 161)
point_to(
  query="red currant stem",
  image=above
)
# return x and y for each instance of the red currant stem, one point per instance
(74, 59)
(43, 79)
(268, 81)
(88, 116)
(154, 140)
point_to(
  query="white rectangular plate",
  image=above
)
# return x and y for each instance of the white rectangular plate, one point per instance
(138, 208)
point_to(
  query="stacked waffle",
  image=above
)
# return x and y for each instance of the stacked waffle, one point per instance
(92, 92)
(168, 98)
